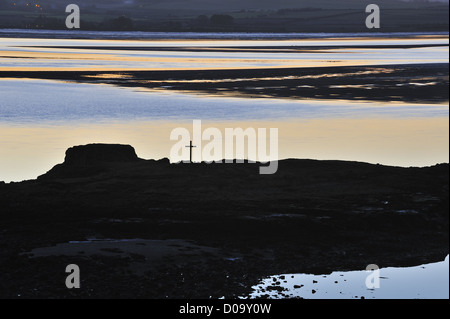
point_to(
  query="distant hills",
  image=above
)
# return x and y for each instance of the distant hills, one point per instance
(227, 16)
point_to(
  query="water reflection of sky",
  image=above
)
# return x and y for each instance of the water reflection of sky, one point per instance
(40, 119)
(252, 39)
(429, 281)
(41, 101)
(32, 54)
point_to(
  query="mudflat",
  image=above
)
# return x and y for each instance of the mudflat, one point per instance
(421, 83)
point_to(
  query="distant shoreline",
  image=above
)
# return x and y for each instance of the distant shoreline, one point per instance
(145, 35)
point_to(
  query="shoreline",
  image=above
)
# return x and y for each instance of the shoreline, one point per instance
(182, 35)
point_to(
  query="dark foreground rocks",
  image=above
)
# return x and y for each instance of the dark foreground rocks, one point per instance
(151, 229)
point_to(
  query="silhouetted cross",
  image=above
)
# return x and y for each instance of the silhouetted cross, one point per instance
(190, 148)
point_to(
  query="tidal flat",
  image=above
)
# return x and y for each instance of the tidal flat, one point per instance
(362, 178)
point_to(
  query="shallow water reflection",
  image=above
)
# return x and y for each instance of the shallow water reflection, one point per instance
(40, 119)
(69, 54)
(429, 281)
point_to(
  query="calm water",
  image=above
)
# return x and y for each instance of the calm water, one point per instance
(38, 54)
(40, 119)
(429, 281)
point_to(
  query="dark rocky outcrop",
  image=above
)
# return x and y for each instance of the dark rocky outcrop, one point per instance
(310, 217)
(95, 153)
(92, 159)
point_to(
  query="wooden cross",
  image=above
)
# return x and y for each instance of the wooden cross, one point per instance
(190, 148)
